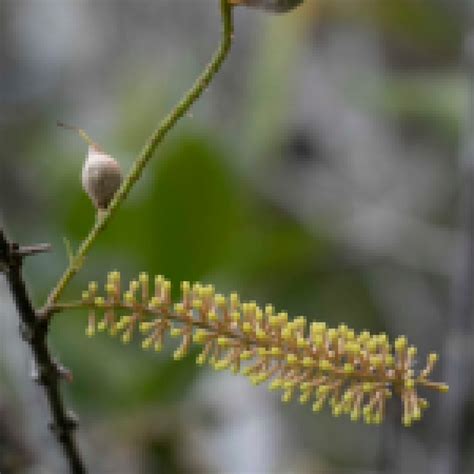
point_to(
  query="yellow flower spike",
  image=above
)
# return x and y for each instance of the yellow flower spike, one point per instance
(335, 364)
(158, 347)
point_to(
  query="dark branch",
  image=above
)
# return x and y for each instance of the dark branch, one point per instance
(34, 330)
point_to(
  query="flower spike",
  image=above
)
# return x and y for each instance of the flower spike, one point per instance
(355, 374)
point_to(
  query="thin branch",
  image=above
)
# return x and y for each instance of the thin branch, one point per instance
(149, 149)
(34, 332)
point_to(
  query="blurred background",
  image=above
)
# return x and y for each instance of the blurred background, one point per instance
(327, 170)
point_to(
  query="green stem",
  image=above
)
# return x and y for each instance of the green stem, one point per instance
(150, 147)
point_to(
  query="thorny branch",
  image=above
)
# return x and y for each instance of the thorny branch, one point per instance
(34, 331)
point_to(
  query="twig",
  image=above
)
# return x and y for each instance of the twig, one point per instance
(150, 147)
(34, 331)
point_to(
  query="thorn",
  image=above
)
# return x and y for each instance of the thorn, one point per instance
(29, 250)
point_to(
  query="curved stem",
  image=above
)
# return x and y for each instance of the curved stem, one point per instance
(150, 147)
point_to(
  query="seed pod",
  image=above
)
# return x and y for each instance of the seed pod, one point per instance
(101, 174)
(101, 177)
(278, 6)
